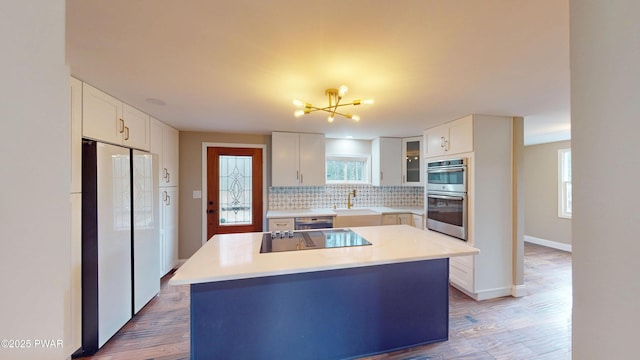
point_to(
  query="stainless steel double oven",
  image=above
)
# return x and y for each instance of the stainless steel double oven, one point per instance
(446, 197)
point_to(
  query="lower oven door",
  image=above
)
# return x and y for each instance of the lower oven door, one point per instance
(447, 213)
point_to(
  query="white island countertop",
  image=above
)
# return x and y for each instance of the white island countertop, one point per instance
(237, 256)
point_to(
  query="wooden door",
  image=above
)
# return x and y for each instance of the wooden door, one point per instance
(234, 190)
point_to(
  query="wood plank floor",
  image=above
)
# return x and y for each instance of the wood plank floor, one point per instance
(536, 326)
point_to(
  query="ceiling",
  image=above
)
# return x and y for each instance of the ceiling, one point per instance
(235, 65)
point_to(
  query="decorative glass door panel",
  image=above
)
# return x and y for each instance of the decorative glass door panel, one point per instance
(235, 190)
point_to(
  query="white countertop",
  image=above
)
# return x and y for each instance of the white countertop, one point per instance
(237, 256)
(274, 214)
(271, 214)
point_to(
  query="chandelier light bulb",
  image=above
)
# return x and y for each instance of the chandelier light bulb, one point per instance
(367, 101)
(330, 119)
(355, 118)
(343, 90)
(298, 103)
(298, 113)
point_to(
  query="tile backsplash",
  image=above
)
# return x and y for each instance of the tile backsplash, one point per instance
(307, 197)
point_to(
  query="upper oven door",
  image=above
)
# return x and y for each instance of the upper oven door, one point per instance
(447, 178)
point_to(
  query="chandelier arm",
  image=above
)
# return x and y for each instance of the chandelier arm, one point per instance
(337, 113)
(335, 107)
(326, 109)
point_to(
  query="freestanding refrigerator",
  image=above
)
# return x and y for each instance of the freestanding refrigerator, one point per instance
(120, 239)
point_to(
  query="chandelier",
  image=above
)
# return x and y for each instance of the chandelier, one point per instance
(335, 96)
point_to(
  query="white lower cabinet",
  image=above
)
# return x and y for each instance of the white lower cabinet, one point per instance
(402, 219)
(281, 224)
(405, 219)
(461, 273)
(418, 221)
(168, 229)
(389, 219)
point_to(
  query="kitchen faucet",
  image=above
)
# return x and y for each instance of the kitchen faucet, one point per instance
(349, 204)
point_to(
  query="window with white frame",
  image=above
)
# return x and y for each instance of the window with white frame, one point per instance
(347, 169)
(564, 183)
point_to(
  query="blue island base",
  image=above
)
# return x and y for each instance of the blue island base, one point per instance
(334, 314)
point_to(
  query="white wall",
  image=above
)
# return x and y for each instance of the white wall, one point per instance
(34, 193)
(541, 219)
(605, 116)
(347, 147)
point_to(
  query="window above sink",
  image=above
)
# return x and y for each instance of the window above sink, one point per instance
(347, 169)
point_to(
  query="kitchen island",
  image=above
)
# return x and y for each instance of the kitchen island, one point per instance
(320, 304)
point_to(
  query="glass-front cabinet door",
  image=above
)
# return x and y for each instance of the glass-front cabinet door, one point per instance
(411, 165)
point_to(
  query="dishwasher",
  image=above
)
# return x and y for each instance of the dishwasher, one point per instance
(309, 222)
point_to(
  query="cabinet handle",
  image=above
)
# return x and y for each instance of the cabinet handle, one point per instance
(126, 131)
(121, 126)
(446, 145)
(442, 141)
(164, 195)
(298, 175)
(168, 177)
(381, 176)
(301, 179)
(165, 173)
(403, 179)
(168, 200)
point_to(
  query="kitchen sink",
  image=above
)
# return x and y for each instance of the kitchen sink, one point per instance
(355, 212)
(356, 217)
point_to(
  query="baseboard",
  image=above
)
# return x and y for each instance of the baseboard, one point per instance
(485, 294)
(493, 293)
(518, 290)
(548, 243)
(470, 294)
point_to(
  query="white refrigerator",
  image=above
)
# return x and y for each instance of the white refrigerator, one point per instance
(146, 228)
(120, 239)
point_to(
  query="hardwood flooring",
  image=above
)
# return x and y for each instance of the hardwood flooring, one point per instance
(536, 326)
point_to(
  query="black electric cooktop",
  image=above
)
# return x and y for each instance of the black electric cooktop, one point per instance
(306, 240)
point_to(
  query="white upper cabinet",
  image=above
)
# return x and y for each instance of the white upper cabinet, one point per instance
(165, 143)
(386, 169)
(107, 119)
(297, 159)
(411, 163)
(452, 138)
(136, 127)
(285, 158)
(312, 160)
(101, 116)
(170, 152)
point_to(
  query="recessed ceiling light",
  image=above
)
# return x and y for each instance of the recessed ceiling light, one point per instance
(155, 101)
